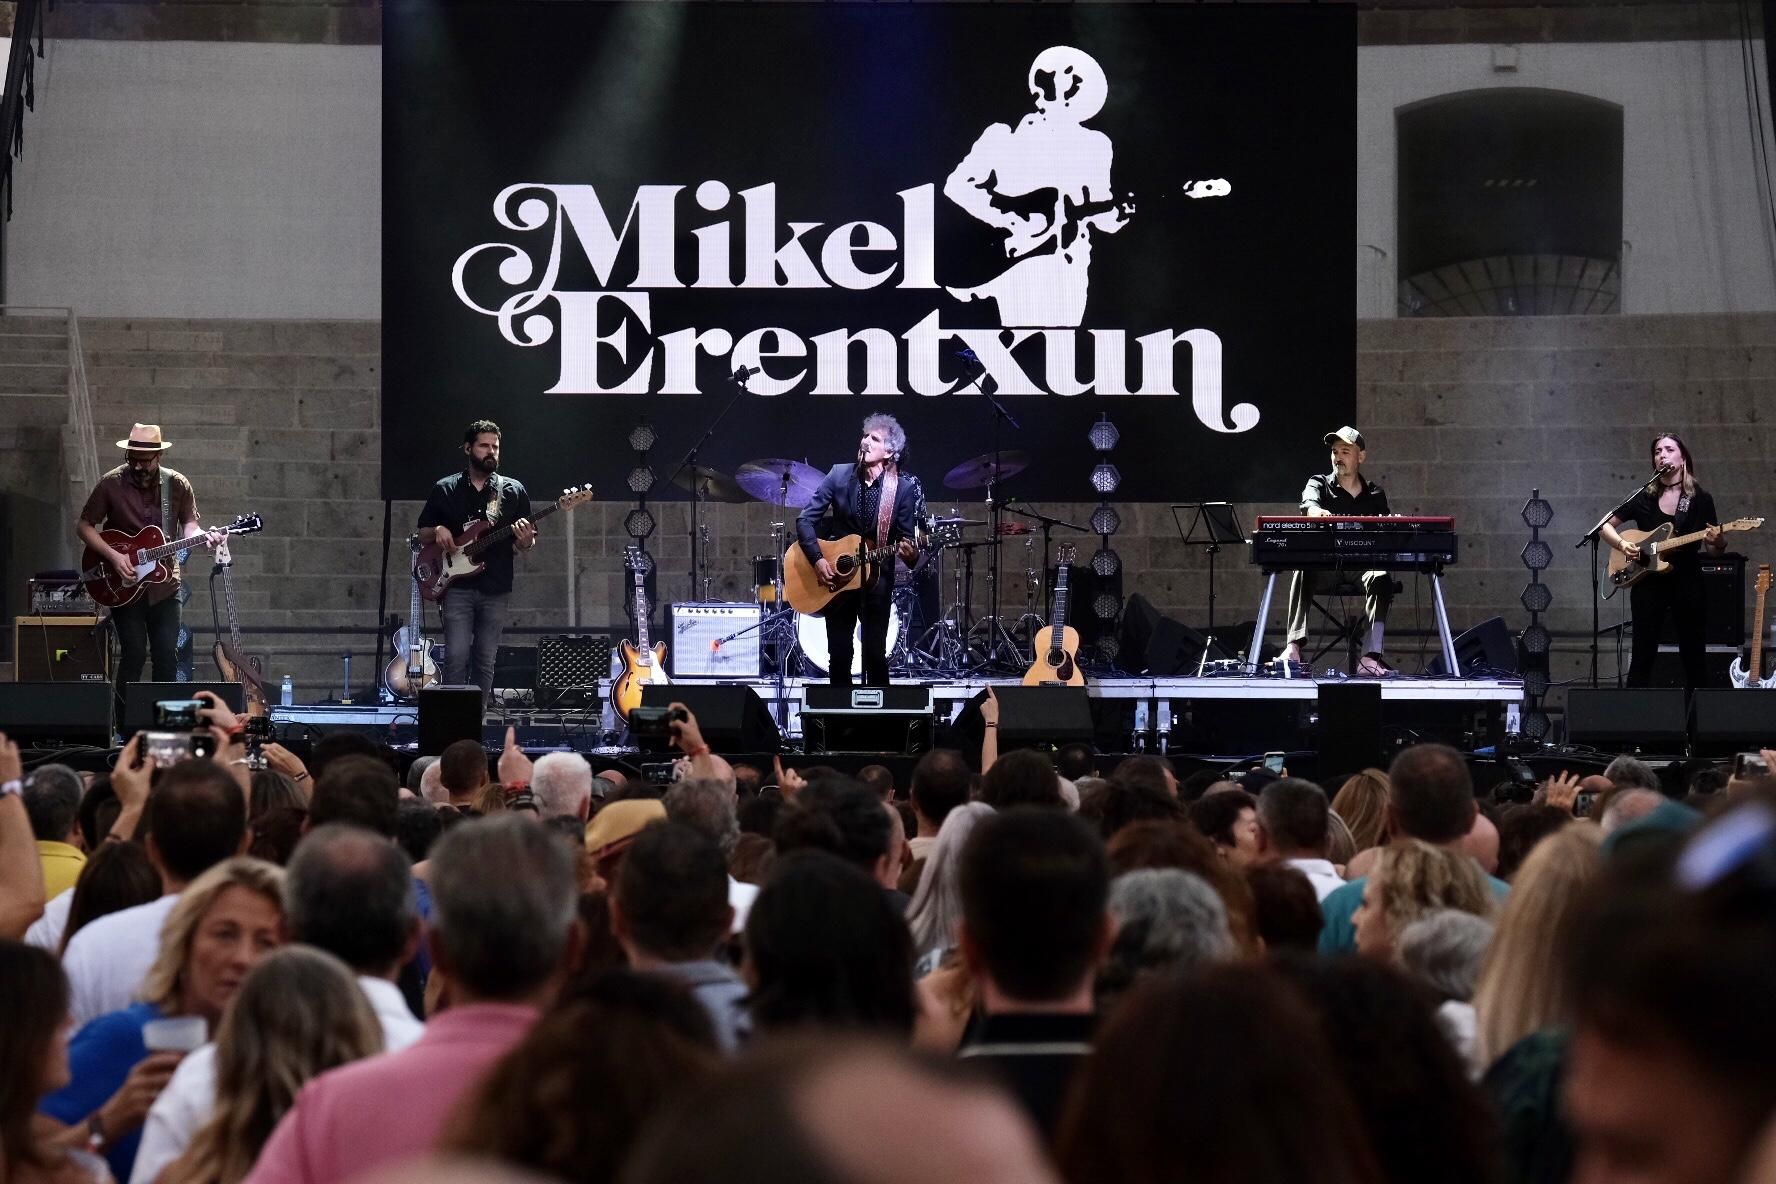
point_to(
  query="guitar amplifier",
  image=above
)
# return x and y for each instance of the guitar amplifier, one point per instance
(570, 662)
(712, 639)
(59, 594)
(59, 649)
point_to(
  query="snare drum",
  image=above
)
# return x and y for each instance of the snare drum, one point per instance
(811, 634)
(764, 578)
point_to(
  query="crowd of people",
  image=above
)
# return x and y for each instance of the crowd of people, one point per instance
(1027, 966)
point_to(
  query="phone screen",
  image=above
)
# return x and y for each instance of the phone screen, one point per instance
(1273, 761)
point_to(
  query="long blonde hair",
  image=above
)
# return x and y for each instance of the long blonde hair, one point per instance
(298, 1014)
(1362, 803)
(1413, 879)
(164, 985)
(1521, 989)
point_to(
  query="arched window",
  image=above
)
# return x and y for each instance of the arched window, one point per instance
(1510, 204)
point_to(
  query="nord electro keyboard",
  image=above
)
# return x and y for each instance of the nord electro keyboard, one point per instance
(1363, 544)
(1335, 543)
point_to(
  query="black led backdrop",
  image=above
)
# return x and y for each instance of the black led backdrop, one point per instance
(876, 187)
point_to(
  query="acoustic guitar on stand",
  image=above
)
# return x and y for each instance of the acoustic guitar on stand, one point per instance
(151, 556)
(413, 667)
(1057, 644)
(437, 568)
(1749, 674)
(1654, 544)
(642, 663)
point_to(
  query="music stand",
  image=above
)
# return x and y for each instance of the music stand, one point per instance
(1217, 524)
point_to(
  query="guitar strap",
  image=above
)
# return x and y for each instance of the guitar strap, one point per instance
(885, 509)
(166, 506)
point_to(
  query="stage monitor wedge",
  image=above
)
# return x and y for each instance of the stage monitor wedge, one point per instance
(1648, 719)
(448, 714)
(1724, 720)
(895, 719)
(731, 716)
(52, 714)
(139, 699)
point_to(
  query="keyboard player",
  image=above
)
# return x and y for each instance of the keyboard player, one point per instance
(1344, 491)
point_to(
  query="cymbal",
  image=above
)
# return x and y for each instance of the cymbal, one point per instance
(956, 521)
(978, 473)
(716, 485)
(763, 480)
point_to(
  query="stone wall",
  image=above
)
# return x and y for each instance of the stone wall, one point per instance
(1464, 417)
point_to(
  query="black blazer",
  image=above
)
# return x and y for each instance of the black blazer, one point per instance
(841, 490)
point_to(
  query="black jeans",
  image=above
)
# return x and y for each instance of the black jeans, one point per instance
(1679, 592)
(872, 604)
(145, 629)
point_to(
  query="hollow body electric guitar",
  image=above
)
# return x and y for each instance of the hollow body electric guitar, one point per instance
(233, 662)
(1749, 674)
(1654, 545)
(849, 557)
(642, 663)
(413, 668)
(1057, 644)
(436, 569)
(151, 555)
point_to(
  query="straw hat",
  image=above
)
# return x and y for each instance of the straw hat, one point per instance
(144, 437)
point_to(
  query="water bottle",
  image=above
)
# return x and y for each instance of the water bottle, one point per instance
(289, 695)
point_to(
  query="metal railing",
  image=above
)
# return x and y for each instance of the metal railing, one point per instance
(82, 438)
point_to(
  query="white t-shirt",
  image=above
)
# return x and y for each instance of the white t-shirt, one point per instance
(740, 898)
(186, 1103)
(1320, 873)
(46, 931)
(108, 959)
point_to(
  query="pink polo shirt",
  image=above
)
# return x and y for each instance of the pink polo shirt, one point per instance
(392, 1107)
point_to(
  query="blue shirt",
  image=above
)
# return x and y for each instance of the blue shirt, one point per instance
(1338, 933)
(100, 1057)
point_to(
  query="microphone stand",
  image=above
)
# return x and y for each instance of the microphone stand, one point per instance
(996, 633)
(1591, 536)
(1048, 527)
(738, 381)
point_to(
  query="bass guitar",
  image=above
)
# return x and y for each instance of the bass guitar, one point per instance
(642, 663)
(1057, 644)
(1748, 674)
(1654, 544)
(849, 557)
(150, 555)
(413, 668)
(233, 662)
(436, 569)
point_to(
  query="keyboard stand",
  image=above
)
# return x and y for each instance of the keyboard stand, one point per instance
(1443, 636)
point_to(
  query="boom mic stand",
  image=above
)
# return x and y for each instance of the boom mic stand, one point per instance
(738, 380)
(1591, 536)
(997, 641)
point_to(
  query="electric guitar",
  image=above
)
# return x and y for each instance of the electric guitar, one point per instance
(1749, 675)
(1057, 644)
(642, 663)
(1625, 572)
(436, 569)
(232, 660)
(413, 668)
(151, 556)
(801, 583)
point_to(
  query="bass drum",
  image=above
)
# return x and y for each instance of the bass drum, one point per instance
(811, 636)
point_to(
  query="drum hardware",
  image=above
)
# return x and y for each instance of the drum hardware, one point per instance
(789, 484)
(1049, 524)
(1032, 619)
(703, 483)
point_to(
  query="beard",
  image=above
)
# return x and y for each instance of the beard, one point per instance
(143, 478)
(484, 464)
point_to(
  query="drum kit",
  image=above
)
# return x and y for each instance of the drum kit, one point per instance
(925, 637)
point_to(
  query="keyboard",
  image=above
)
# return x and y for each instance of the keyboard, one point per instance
(1394, 543)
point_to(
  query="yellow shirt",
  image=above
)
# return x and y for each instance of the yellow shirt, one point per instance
(61, 867)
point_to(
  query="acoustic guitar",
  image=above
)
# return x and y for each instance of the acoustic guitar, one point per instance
(1747, 674)
(850, 558)
(642, 663)
(1654, 545)
(1057, 644)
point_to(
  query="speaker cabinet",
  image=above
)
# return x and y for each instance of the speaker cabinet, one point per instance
(139, 699)
(1652, 719)
(1029, 717)
(1726, 721)
(889, 719)
(1485, 650)
(1349, 737)
(732, 718)
(448, 714)
(52, 714)
(59, 649)
(1723, 603)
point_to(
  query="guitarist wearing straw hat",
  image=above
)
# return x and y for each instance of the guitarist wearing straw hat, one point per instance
(1671, 496)
(866, 497)
(143, 492)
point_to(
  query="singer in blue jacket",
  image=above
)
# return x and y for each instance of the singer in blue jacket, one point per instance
(850, 499)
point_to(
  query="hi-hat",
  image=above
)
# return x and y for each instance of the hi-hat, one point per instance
(764, 480)
(955, 522)
(980, 472)
(715, 485)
